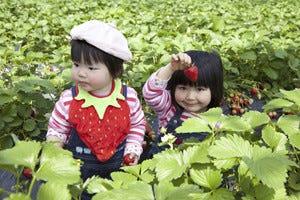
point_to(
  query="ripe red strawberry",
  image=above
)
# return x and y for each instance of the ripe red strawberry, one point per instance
(27, 173)
(128, 159)
(254, 92)
(191, 73)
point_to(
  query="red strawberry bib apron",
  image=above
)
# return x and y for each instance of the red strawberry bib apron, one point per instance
(100, 128)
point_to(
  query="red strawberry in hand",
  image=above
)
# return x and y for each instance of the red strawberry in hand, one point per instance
(191, 73)
(128, 159)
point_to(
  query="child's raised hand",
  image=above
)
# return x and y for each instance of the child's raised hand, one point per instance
(180, 61)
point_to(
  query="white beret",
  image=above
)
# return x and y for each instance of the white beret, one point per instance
(104, 36)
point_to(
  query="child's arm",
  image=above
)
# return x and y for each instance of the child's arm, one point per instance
(59, 127)
(137, 130)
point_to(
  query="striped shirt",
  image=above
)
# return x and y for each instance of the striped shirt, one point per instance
(60, 127)
(159, 99)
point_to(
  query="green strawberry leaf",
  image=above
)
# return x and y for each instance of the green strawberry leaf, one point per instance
(124, 177)
(135, 190)
(170, 165)
(274, 139)
(293, 95)
(50, 191)
(255, 118)
(277, 103)
(230, 146)
(208, 177)
(24, 153)
(289, 124)
(234, 123)
(295, 140)
(270, 168)
(58, 165)
(193, 125)
(97, 184)
(18, 196)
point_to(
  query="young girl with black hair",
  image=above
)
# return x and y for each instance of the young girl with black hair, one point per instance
(99, 119)
(190, 84)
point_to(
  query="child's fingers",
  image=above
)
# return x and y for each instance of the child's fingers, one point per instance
(180, 61)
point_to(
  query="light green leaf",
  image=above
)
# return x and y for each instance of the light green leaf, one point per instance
(277, 103)
(191, 125)
(23, 153)
(234, 123)
(230, 146)
(97, 184)
(290, 124)
(170, 165)
(208, 177)
(135, 169)
(170, 192)
(264, 192)
(226, 163)
(295, 140)
(255, 118)
(50, 191)
(270, 168)
(212, 116)
(18, 196)
(135, 190)
(274, 139)
(124, 177)
(196, 154)
(248, 55)
(220, 193)
(58, 165)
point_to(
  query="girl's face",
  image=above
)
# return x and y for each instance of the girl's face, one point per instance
(93, 78)
(192, 99)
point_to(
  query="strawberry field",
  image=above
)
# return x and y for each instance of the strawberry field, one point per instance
(254, 154)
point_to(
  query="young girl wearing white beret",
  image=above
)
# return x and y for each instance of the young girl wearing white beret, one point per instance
(99, 119)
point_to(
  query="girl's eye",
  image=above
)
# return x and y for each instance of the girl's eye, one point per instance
(182, 87)
(201, 89)
(93, 68)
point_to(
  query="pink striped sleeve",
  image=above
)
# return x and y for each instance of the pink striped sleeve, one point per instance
(58, 123)
(158, 98)
(135, 137)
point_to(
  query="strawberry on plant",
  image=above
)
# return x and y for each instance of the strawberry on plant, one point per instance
(191, 73)
(128, 159)
(262, 86)
(254, 91)
(27, 172)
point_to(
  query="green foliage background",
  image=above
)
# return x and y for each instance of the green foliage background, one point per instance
(258, 39)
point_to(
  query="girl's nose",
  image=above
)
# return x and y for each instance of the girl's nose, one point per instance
(81, 73)
(190, 94)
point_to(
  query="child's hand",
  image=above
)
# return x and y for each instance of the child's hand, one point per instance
(180, 61)
(130, 159)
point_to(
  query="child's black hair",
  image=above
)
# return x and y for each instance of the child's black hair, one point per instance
(81, 51)
(210, 74)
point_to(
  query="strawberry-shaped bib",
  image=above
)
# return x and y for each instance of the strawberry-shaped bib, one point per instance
(102, 123)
